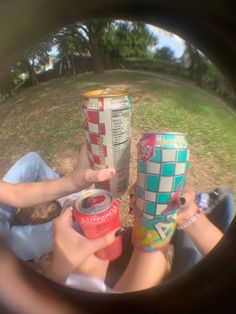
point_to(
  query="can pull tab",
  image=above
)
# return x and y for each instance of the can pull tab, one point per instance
(91, 201)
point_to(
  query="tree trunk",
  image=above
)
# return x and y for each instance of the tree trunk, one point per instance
(73, 64)
(96, 57)
(31, 72)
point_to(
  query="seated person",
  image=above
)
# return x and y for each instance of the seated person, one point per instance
(31, 242)
(144, 269)
(198, 231)
(31, 181)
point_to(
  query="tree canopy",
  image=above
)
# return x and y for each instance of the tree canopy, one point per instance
(96, 45)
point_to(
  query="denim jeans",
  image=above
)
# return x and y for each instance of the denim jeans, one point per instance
(186, 254)
(31, 241)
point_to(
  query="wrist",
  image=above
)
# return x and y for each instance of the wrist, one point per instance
(190, 220)
(74, 185)
(56, 273)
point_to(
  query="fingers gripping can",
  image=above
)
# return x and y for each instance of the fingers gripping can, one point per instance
(107, 124)
(163, 160)
(97, 214)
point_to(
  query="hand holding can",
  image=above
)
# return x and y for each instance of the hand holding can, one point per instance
(107, 125)
(163, 160)
(97, 214)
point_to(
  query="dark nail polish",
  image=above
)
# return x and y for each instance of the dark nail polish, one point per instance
(119, 232)
(182, 200)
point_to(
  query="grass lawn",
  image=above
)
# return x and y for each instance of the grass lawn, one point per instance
(47, 118)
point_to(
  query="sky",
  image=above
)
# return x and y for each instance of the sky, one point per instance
(164, 39)
(168, 39)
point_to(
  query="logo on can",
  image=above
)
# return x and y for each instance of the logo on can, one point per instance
(97, 214)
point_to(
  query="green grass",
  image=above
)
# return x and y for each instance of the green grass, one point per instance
(47, 117)
(208, 122)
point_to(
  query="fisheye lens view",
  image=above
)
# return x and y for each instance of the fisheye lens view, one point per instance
(118, 158)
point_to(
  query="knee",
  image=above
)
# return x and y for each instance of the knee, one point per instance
(31, 158)
(32, 155)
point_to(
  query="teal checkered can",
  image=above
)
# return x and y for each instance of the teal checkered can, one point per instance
(163, 161)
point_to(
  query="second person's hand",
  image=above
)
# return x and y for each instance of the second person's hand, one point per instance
(70, 249)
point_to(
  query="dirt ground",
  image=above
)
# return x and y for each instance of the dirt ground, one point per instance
(203, 173)
(200, 177)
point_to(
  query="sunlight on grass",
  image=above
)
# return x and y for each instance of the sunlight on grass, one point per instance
(47, 117)
(203, 120)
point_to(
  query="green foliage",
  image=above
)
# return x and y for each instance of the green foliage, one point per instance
(165, 53)
(125, 39)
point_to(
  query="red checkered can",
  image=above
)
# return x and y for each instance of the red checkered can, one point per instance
(97, 214)
(107, 124)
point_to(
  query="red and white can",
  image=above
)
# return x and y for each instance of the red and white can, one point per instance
(107, 124)
(97, 214)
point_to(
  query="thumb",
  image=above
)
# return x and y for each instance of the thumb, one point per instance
(107, 239)
(99, 175)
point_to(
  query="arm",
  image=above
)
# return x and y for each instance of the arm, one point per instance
(144, 271)
(29, 194)
(201, 231)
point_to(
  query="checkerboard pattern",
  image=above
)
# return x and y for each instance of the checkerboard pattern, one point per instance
(94, 126)
(98, 113)
(159, 180)
(95, 131)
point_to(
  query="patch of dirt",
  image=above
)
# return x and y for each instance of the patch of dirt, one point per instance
(204, 174)
(37, 215)
(201, 177)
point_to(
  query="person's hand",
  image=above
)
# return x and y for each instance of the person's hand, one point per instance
(70, 249)
(83, 176)
(187, 206)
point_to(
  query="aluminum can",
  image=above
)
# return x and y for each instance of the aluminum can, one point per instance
(97, 214)
(107, 125)
(163, 160)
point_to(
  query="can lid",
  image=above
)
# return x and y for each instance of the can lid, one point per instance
(93, 201)
(107, 92)
(165, 133)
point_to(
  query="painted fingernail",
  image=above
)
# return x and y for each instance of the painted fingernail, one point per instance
(182, 200)
(119, 232)
(110, 172)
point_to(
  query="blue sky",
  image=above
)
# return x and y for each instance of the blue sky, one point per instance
(168, 39)
(164, 39)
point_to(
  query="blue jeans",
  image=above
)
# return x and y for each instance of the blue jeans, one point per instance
(32, 241)
(185, 252)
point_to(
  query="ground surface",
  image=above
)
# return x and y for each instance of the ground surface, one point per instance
(47, 119)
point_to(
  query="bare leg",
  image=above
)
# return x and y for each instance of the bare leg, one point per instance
(144, 271)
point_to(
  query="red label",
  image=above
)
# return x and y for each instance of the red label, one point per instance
(146, 147)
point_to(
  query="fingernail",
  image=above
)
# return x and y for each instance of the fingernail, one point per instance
(119, 232)
(182, 200)
(110, 172)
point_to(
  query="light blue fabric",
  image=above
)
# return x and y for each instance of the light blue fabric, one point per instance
(32, 241)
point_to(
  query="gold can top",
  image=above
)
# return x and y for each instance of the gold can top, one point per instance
(107, 92)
